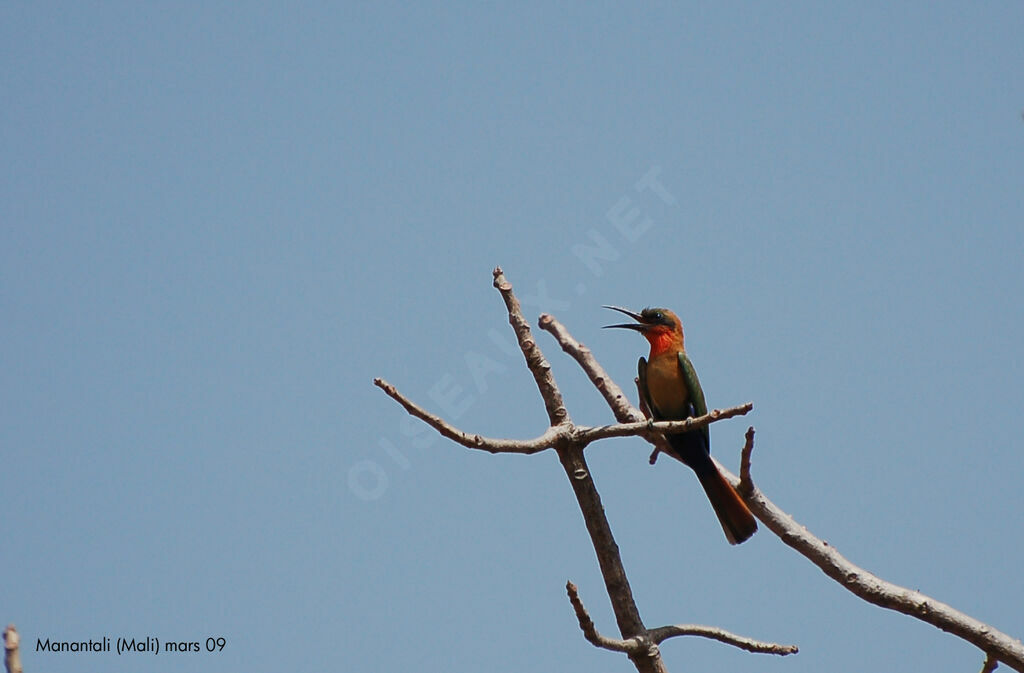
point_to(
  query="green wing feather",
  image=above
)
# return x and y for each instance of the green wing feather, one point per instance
(694, 392)
(641, 371)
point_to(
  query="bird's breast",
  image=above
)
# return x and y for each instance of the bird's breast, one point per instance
(666, 388)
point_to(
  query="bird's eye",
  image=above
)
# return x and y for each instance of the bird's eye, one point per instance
(659, 316)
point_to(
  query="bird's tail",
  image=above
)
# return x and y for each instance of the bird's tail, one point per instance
(737, 521)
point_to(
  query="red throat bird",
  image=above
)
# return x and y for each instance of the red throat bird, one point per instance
(670, 389)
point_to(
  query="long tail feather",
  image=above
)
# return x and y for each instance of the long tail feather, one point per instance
(734, 515)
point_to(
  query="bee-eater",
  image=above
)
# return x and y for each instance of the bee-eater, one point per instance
(670, 389)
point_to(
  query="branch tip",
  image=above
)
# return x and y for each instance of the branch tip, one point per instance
(474, 441)
(746, 486)
(500, 281)
(12, 654)
(629, 646)
(535, 361)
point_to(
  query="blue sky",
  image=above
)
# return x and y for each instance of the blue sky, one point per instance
(219, 223)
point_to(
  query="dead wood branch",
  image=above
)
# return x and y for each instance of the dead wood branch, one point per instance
(12, 655)
(569, 442)
(860, 582)
(658, 635)
(874, 589)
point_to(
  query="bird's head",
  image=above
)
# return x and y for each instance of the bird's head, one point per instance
(660, 326)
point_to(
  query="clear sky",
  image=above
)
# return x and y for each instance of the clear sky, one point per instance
(218, 222)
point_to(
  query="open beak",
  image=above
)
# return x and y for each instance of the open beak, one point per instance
(638, 326)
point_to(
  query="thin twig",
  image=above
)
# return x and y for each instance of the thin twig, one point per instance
(598, 376)
(642, 428)
(662, 633)
(528, 446)
(990, 664)
(583, 435)
(630, 645)
(657, 636)
(746, 485)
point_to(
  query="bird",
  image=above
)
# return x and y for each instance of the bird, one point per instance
(669, 386)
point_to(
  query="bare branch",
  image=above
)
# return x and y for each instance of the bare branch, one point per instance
(874, 589)
(857, 580)
(12, 655)
(746, 485)
(535, 361)
(662, 633)
(639, 643)
(628, 646)
(584, 435)
(646, 428)
(530, 446)
(569, 442)
(613, 395)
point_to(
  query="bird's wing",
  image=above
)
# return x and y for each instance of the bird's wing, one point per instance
(694, 392)
(641, 371)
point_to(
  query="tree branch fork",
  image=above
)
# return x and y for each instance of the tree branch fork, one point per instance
(645, 644)
(563, 432)
(568, 440)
